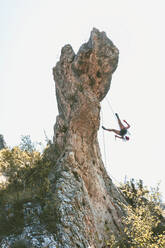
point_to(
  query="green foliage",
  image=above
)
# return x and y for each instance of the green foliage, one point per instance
(27, 174)
(20, 244)
(26, 143)
(49, 216)
(2, 142)
(17, 165)
(121, 242)
(11, 218)
(144, 223)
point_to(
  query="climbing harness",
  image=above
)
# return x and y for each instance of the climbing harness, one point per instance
(104, 147)
(113, 112)
(105, 159)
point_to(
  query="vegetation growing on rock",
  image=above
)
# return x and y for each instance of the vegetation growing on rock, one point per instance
(144, 222)
(27, 180)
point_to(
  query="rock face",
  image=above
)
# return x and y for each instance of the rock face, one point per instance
(86, 199)
(82, 206)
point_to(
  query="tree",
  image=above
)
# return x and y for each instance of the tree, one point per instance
(26, 143)
(2, 142)
(144, 222)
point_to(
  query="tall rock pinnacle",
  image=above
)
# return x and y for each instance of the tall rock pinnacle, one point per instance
(82, 81)
(86, 199)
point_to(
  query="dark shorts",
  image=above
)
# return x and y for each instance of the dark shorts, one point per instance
(123, 132)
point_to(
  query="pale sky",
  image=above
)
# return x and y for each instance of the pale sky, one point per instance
(32, 35)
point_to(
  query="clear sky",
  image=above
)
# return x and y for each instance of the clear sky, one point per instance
(32, 35)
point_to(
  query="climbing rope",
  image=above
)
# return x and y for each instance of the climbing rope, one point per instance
(110, 106)
(102, 123)
(112, 177)
(105, 159)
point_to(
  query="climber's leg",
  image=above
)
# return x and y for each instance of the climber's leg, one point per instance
(119, 121)
(114, 130)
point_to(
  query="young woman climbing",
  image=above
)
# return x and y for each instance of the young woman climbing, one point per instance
(121, 134)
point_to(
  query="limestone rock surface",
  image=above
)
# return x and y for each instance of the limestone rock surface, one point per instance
(87, 201)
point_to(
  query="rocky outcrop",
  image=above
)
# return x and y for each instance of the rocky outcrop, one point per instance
(33, 234)
(82, 205)
(87, 202)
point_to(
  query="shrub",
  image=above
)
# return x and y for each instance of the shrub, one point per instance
(144, 223)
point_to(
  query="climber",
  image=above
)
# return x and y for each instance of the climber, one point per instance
(123, 130)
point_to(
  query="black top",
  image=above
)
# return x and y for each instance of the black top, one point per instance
(123, 132)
